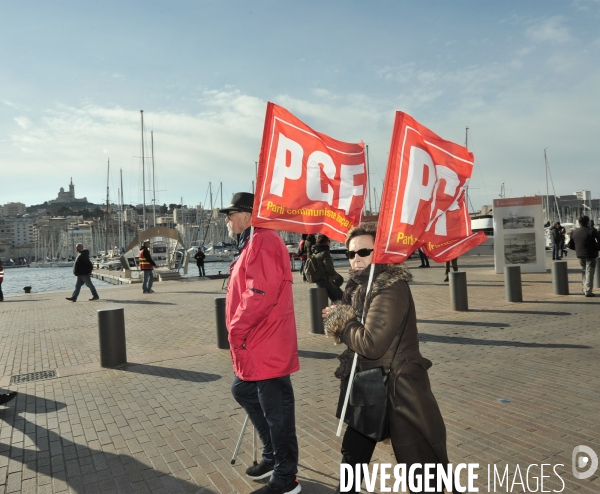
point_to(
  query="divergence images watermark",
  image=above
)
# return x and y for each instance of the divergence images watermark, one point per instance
(431, 477)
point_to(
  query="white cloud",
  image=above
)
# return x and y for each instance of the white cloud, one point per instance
(549, 30)
(23, 122)
(219, 143)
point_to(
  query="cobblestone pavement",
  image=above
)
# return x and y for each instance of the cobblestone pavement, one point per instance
(167, 422)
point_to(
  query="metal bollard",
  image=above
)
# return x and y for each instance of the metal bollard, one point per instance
(222, 334)
(458, 291)
(512, 284)
(111, 332)
(317, 299)
(560, 278)
(597, 275)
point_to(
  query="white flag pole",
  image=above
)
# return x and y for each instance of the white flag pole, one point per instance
(353, 370)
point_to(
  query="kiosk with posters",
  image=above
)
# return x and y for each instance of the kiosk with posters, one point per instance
(519, 234)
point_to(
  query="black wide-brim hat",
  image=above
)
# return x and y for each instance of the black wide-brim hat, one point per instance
(241, 201)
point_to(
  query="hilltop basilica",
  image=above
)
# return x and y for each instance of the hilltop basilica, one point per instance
(68, 197)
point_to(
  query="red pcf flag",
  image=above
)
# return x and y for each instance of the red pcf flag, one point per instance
(307, 182)
(423, 201)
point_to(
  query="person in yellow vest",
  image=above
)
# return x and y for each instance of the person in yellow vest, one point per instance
(147, 266)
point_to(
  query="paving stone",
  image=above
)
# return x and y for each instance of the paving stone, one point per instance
(166, 422)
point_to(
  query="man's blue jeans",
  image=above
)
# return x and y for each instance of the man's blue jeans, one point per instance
(556, 252)
(148, 280)
(84, 279)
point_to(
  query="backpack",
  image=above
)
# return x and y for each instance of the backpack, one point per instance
(313, 269)
(300, 249)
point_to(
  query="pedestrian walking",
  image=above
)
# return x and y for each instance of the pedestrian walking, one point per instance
(424, 259)
(387, 339)
(587, 245)
(263, 344)
(200, 261)
(558, 239)
(325, 275)
(147, 265)
(1, 280)
(302, 255)
(82, 268)
(308, 245)
(454, 263)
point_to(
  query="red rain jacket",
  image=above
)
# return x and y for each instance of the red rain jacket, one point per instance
(260, 310)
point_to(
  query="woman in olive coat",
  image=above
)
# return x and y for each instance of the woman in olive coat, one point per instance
(417, 430)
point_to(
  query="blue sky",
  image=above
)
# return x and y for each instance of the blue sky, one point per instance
(523, 76)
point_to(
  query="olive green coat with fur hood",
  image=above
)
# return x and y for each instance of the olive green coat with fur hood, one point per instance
(418, 433)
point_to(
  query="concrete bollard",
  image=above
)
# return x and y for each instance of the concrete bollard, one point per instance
(560, 278)
(111, 332)
(222, 335)
(317, 299)
(597, 275)
(512, 284)
(458, 291)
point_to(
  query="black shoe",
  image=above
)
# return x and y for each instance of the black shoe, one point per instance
(94, 298)
(590, 294)
(422, 266)
(5, 398)
(261, 470)
(270, 488)
(72, 299)
(446, 278)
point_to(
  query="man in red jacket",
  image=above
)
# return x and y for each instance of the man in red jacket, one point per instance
(263, 344)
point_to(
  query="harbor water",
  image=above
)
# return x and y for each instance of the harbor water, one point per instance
(40, 280)
(56, 279)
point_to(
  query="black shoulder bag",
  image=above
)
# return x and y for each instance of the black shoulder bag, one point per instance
(367, 410)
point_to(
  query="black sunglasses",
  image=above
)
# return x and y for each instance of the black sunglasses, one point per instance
(361, 253)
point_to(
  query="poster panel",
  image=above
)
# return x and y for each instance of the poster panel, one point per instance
(519, 234)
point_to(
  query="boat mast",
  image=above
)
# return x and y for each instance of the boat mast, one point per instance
(467, 146)
(122, 214)
(153, 182)
(210, 218)
(222, 232)
(143, 172)
(106, 215)
(547, 192)
(368, 176)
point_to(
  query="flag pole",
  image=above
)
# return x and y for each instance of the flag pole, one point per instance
(354, 362)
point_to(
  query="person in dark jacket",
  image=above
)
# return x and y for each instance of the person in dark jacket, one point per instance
(587, 245)
(331, 280)
(302, 255)
(557, 236)
(424, 259)
(309, 244)
(83, 268)
(417, 429)
(147, 265)
(200, 261)
(1, 280)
